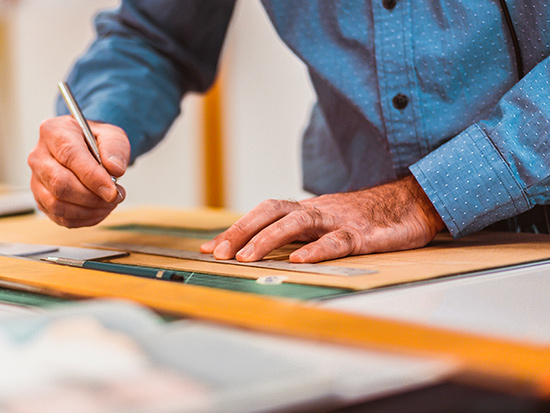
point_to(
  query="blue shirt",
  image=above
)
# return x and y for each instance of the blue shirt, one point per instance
(428, 87)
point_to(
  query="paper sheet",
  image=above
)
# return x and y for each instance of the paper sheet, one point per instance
(511, 304)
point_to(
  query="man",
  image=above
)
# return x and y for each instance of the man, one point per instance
(419, 102)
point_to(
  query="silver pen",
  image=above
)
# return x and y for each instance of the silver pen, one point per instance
(82, 122)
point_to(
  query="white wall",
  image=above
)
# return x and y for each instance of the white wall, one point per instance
(267, 102)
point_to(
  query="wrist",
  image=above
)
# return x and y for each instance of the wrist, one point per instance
(425, 206)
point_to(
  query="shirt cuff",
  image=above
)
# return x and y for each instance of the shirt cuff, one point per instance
(469, 183)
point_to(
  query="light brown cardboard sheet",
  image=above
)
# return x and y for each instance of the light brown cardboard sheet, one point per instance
(443, 257)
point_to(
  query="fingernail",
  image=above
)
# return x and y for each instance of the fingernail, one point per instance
(208, 246)
(119, 197)
(299, 256)
(107, 193)
(118, 161)
(246, 252)
(222, 250)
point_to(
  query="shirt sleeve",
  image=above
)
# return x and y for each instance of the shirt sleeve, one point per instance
(147, 54)
(498, 167)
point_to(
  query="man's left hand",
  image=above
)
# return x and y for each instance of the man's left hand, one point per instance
(390, 217)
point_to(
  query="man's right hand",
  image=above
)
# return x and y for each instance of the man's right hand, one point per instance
(68, 184)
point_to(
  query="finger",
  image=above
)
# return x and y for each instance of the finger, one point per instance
(61, 183)
(336, 244)
(114, 147)
(121, 194)
(61, 210)
(225, 245)
(83, 217)
(72, 224)
(304, 224)
(208, 246)
(64, 140)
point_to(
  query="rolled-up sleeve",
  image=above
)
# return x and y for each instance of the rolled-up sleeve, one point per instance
(146, 56)
(498, 167)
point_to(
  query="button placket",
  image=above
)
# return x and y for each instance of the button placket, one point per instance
(393, 65)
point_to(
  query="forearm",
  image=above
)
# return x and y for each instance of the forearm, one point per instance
(124, 93)
(147, 55)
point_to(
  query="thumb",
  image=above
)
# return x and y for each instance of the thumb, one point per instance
(114, 147)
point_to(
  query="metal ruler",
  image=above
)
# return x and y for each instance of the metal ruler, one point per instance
(271, 264)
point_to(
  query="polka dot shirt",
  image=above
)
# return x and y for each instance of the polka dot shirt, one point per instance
(423, 86)
(431, 87)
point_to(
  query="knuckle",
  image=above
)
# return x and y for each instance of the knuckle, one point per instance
(38, 158)
(301, 218)
(41, 205)
(70, 223)
(315, 216)
(59, 185)
(89, 175)
(275, 206)
(276, 230)
(332, 241)
(119, 132)
(32, 159)
(345, 237)
(64, 222)
(342, 238)
(66, 153)
(271, 205)
(45, 128)
(115, 134)
(307, 217)
(50, 127)
(355, 240)
(238, 228)
(55, 207)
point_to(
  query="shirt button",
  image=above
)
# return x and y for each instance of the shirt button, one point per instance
(389, 4)
(400, 101)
